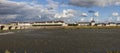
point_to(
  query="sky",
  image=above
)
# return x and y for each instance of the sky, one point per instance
(70, 11)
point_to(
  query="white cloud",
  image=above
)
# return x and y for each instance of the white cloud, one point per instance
(52, 4)
(66, 14)
(2, 0)
(96, 14)
(115, 14)
(84, 15)
(82, 19)
(91, 3)
(23, 11)
(91, 18)
(110, 19)
(117, 3)
(118, 18)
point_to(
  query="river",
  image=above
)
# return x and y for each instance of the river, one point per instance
(60, 41)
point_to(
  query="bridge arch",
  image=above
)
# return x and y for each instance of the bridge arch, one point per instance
(10, 27)
(16, 27)
(2, 27)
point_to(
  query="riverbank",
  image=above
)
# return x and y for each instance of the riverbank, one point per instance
(75, 27)
(65, 27)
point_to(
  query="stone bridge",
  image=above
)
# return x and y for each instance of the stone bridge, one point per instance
(11, 27)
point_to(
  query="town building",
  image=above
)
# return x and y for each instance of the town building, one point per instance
(50, 23)
(111, 24)
(118, 24)
(101, 24)
(83, 23)
(72, 24)
(92, 23)
(21, 23)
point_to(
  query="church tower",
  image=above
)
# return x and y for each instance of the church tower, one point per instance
(92, 22)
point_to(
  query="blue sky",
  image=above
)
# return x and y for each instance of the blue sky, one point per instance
(67, 10)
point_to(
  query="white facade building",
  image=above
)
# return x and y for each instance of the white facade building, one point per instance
(118, 24)
(24, 24)
(50, 23)
(100, 24)
(111, 24)
(83, 23)
(92, 23)
(21, 23)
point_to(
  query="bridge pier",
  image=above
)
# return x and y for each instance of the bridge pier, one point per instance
(21, 27)
(17, 27)
(1, 27)
(4, 27)
(7, 27)
(10, 28)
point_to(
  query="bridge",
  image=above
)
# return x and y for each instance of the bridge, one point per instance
(12, 27)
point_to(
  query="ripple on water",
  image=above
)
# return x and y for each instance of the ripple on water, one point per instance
(6, 33)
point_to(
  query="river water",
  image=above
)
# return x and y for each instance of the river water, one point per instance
(60, 41)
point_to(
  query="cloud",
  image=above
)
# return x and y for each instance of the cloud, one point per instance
(82, 19)
(66, 14)
(84, 14)
(2, 0)
(117, 3)
(52, 4)
(96, 14)
(118, 18)
(23, 11)
(91, 3)
(115, 14)
(91, 18)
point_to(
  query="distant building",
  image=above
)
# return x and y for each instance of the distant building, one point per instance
(24, 24)
(101, 24)
(73, 24)
(111, 24)
(21, 23)
(92, 23)
(83, 23)
(50, 23)
(118, 24)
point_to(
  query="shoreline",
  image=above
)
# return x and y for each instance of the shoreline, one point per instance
(63, 27)
(75, 27)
